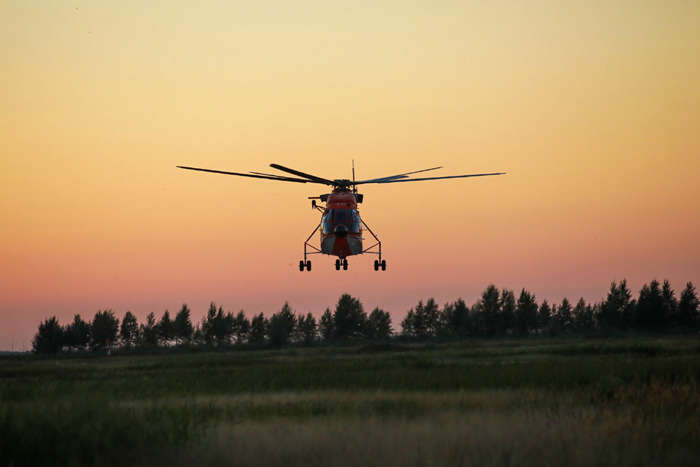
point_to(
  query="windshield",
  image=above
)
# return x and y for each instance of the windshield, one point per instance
(350, 218)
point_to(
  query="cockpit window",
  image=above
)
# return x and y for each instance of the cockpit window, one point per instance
(349, 218)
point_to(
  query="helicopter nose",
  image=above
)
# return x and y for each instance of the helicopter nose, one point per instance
(340, 231)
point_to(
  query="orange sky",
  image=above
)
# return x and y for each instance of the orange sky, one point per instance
(593, 109)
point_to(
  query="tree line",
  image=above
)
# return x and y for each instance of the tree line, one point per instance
(496, 313)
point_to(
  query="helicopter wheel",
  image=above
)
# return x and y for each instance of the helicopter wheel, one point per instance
(376, 265)
(337, 265)
(301, 265)
(345, 265)
(308, 265)
(383, 265)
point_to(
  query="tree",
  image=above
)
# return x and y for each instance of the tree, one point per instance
(327, 326)
(582, 317)
(349, 318)
(49, 337)
(258, 330)
(378, 325)
(241, 327)
(562, 318)
(688, 307)
(408, 324)
(166, 330)
(455, 319)
(617, 310)
(209, 324)
(650, 307)
(544, 315)
(149, 331)
(525, 313)
(669, 302)
(129, 331)
(488, 311)
(104, 328)
(77, 334)
(282, 326)
(308, 329)
(507, 315)
(182, 326)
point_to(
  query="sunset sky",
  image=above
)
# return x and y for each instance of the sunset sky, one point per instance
(593, 109)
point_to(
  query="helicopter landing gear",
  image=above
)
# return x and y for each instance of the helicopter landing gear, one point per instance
(343, 263)
(379, 264)
(337, 265)
(305, 264)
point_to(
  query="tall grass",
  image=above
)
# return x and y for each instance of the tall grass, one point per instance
(486, 402)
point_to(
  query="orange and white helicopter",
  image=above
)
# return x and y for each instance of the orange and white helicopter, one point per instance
(341, 224)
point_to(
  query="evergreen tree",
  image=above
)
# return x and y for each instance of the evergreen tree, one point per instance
(308, 329)
(455, 319)
(241, 327)
(617, 311)
(77, 334)
(209, 324)
(327, 327)
(488, 312)
(258, 330)
(378, 325)
(129, 331)
(104, 328)
(525, 313)
(688, 307)
(544, 315)
(650, 307)
(166, 330)
(507, 316)
(670, 303)
(49, 337)
(182, 326)
(582, 317)
(407, 325)
(149, 331)
(281, 326)
(349, 318)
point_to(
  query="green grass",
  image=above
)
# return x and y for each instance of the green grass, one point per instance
(522, 402)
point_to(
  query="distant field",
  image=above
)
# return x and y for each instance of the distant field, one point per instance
(508, 402)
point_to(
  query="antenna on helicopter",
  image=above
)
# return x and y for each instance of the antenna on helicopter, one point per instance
(354, 187)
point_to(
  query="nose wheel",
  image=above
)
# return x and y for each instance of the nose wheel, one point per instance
(343, 263)
(305, 265)
(379, 264)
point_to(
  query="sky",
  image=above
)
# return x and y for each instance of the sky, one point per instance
(591, 107)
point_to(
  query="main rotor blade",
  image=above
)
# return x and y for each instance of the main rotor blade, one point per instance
(313, 178)
(403, 175)
(433, 178)
(276, 177)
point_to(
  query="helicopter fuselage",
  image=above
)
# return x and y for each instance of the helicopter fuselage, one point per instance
(341, 226)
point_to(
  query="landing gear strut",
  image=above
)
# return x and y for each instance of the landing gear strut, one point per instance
(305, 264)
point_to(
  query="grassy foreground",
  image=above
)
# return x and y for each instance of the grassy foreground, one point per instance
(511, 402)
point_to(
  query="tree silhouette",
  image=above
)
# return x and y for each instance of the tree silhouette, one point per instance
(241, 327)
(506, 322)
(455, 319)
(327, 326)
(378, 325)
(349, 318)
(104, 328)
(670, 303)
(525, 313)
(49, 337)
(582, 317)
(182, 325)
(487, 311)
(129, 331)
(281, 326)
(544, 315)
(650, 307)
(308, 330)
(77, 334)
(149, 331)
(166, 330)
(617, 310)
(688, 307)
(258, 329)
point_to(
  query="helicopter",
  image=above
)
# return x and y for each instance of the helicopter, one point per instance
(340, 225)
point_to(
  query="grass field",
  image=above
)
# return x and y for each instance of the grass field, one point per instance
(509, 402)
